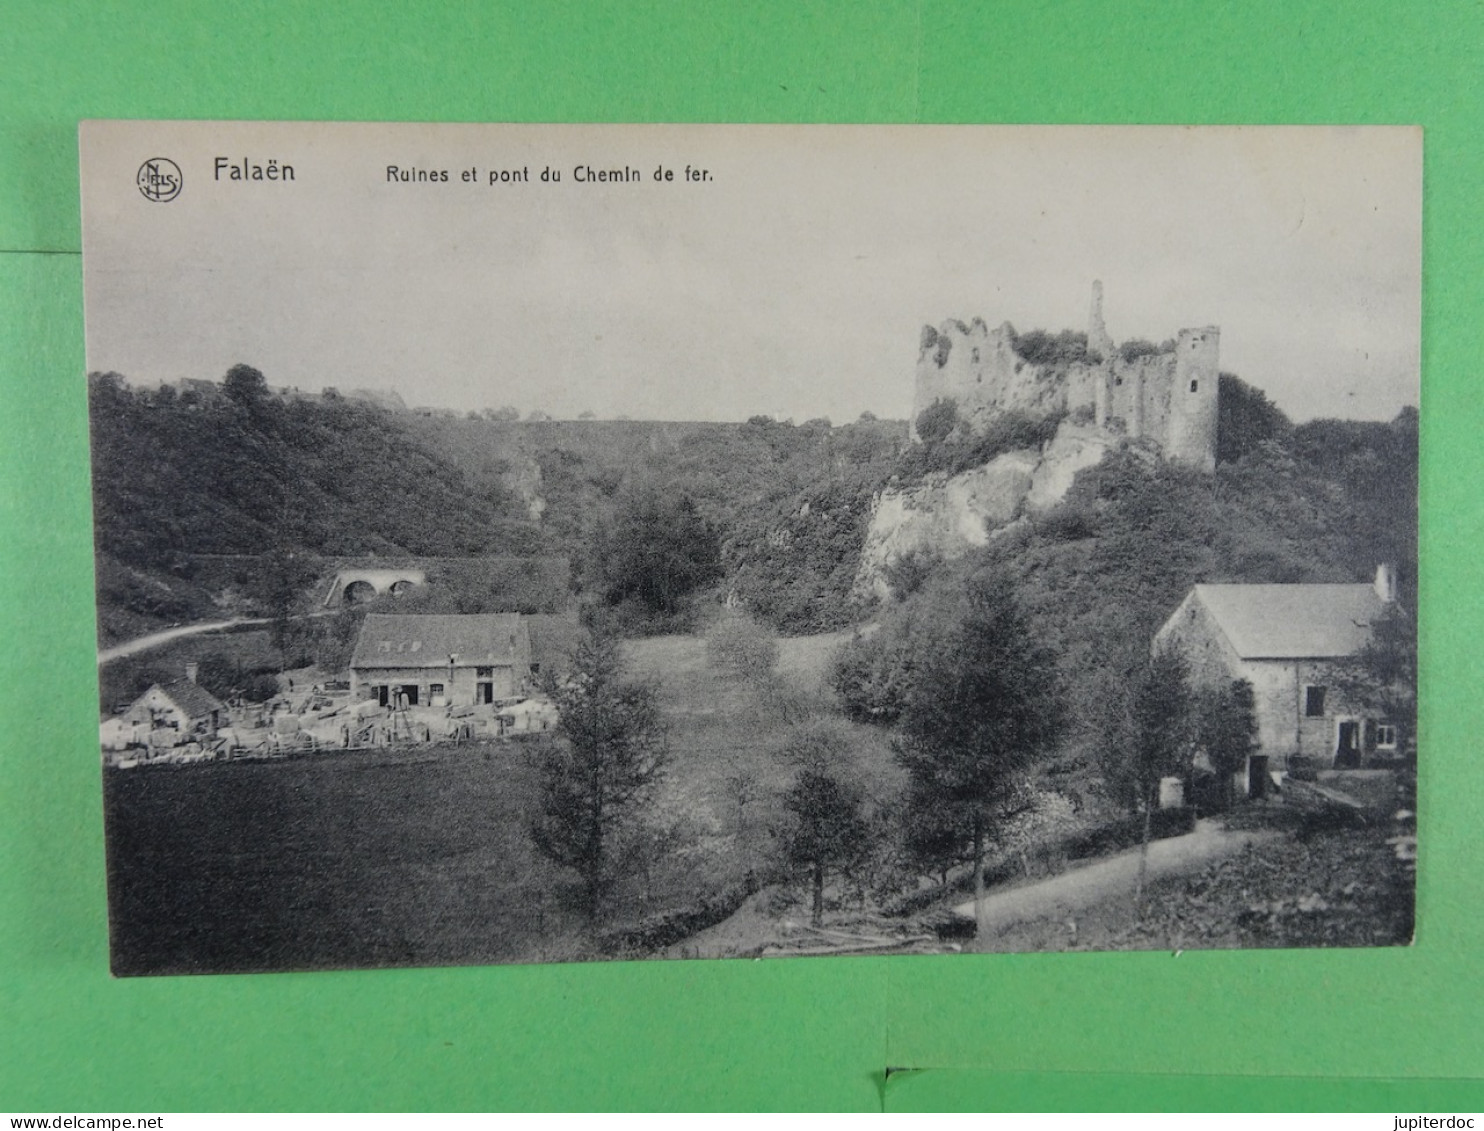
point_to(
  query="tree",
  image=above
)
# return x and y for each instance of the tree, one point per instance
(245, 385)
(1225, 726)
(871, 674)
(1245, 419)
(827, 831)
(599, 781)
(281, 579)
(1145, 735)
(983, 705)
(1382, 677)
(740, 647)
(934, 839)
(936, 422)
(742, 788)
(657, 550)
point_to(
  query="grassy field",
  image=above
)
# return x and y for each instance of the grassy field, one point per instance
(725, 740)
(421, 857)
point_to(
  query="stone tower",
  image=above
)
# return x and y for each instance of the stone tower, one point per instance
(1191, 435)
(1098, 340)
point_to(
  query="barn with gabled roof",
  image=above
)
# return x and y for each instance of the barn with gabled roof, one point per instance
(1287, 641)
(439, 660)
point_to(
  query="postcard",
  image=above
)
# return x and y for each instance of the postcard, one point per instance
(536, 543)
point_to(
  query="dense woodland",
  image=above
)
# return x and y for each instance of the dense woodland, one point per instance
(659, 521)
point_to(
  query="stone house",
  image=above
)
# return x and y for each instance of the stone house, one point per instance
(1286, 641)
(441, 660)
(181, 705)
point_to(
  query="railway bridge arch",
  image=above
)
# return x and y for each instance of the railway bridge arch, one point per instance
(352, 586)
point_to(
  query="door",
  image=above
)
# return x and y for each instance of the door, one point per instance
(1347, 745)
(484, 693)
(1257, 775)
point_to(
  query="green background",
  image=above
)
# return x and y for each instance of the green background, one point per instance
(1370, 1030)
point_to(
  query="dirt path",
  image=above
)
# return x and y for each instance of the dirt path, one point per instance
(1111, 877)
(155, 639)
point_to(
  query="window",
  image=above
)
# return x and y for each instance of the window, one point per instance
(535, 669)
(1314, 702)
(1194, 385)
(435, 689)
(1385, 736)
(484, 673)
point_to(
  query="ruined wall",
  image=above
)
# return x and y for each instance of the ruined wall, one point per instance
(1166, 398)
(979, 369)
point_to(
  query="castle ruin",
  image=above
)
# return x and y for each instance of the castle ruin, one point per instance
(1164, 396)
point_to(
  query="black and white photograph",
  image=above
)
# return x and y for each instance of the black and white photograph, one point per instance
(565, 543)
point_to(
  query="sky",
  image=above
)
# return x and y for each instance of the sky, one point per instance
(793, 280)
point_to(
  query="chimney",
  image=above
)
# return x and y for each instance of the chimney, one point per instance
(192, 669)
(1385, 584)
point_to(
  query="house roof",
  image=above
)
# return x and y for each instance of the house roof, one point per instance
(1293, 622)
(190, 697)
(425, 641)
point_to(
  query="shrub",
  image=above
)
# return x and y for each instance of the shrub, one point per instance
(1008, 432)
(1040, 348)
(1135, 348)
(937, 422)
(1067, 522)
(907, 572)
(871, 675)
(260, 687)
(670, 927)
(738, 646)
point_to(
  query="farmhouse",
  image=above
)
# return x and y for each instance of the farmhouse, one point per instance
(1286, 640)
(181, 705)
(441, 660)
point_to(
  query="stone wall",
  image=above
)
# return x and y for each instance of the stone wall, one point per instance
(460, 693)
(1167, 398)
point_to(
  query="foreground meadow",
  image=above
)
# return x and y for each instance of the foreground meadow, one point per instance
(421, 856)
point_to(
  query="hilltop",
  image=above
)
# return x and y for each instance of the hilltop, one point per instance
(194, 492)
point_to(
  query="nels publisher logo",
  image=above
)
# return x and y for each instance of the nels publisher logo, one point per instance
(159, 179)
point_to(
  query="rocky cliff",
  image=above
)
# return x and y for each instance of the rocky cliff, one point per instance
(946, 516)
